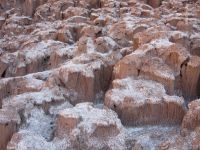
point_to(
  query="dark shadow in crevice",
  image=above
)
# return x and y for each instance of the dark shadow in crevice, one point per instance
(3, 75)
(154, 3)
(45, 63)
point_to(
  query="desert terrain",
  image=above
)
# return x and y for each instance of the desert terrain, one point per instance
(99, 74)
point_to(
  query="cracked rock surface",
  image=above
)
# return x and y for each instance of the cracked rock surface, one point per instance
(99, 74)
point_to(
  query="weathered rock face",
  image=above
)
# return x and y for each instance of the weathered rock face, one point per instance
(195, 142)
(195, 47)
(19, 85)
(29, 6)
(165, 62)
(191, 120)
(86, 78)
(40, 57)
(191, 78)
(137, 61)
(9, 124)
(90, 128)
(140, 102)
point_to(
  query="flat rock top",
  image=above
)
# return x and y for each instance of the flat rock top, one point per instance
(91, 118)
(140, 90)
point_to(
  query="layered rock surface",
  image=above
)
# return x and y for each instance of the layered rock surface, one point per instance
(140, 102)
(99, 74)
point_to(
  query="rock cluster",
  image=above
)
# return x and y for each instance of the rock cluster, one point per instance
(99, 74)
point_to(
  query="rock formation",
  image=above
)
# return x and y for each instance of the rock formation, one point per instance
(141, 102)
(191, 119)
(99, 74)
(90, 128)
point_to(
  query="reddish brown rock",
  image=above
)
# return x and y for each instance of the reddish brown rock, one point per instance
(195, 49)
(101, 45)
(120, 32)
(191, 120)
(74, 11)
(56, 53)
(165, 62)
(24, 61)
(91, 31)
(85, 77)
(141, 63)
(86, 122)
(196, 143)
(147, 36)
(29, 6)
(105, 44)
(53, 10)
(60, 56)
(154, 3)
(2, 20)
(191, 78)
(9, 124)
(144, 102)
(18, 85)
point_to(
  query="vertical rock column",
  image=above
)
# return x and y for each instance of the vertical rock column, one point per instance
(2, 4)
(190, 78)
(29, 6)
(9, 121)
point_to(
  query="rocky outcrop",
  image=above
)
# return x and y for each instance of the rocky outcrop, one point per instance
(164, 62)
(9, 124)
(191, 78)
(25, 62)
(195, 142)
(19, 85)
(191, 120)
(87, 79)
(29, 6)
(100, 127)
(137, 60)
(140, 102)
(195, 47)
